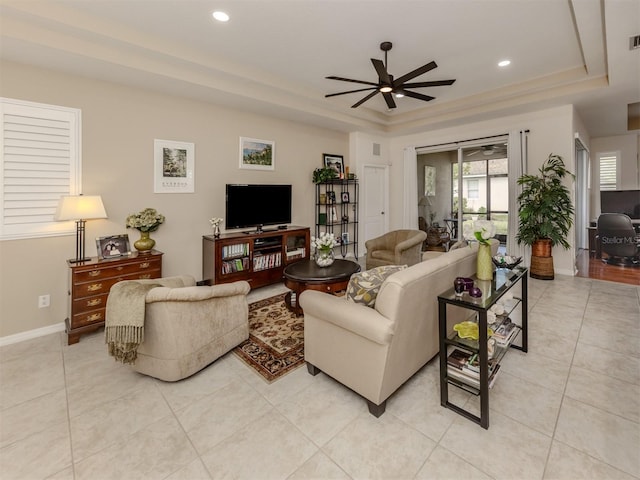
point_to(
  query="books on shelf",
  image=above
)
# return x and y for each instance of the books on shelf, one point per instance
(267, 260)
(235, 250)
(464, 366)
(296, 253)
(235, 265)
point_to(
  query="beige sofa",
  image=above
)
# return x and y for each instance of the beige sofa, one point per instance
(374, 351)
(187, 327)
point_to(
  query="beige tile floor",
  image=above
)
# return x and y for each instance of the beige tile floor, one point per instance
(569, 409)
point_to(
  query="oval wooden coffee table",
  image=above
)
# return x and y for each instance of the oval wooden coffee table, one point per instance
(306, 275)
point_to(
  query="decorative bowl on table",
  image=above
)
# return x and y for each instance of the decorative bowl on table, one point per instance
(506, 261)
(470, 330)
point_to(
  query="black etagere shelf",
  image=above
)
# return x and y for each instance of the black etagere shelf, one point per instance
(337, 212)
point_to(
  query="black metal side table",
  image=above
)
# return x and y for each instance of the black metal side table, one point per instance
(493, 290)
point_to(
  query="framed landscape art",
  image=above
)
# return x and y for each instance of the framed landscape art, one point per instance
(257, 154)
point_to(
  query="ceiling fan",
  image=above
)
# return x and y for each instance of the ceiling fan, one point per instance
(387, 84)
(487, 150)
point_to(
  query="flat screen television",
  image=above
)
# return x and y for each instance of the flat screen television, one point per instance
(256, 205)
(621, 201)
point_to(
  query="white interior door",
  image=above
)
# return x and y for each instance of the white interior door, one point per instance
(375, 187)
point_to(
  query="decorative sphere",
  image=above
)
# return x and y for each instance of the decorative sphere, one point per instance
(475, 292)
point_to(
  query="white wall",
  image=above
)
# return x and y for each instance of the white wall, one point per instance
(551, 131)
(629, 148)
(119, 126)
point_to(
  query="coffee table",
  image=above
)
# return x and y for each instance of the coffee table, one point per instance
(306, 275)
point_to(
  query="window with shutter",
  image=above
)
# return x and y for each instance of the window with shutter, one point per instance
(40, 155)
(608, 171)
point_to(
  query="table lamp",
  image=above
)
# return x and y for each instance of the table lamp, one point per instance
(80, 208)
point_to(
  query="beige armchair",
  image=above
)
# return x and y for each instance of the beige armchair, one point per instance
(398, 247)
(187, 327)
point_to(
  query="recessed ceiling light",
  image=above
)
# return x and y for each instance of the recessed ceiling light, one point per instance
(504, 63)
(399, 95)
(221, 16)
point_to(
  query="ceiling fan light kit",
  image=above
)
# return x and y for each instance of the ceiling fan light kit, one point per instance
(387, 85)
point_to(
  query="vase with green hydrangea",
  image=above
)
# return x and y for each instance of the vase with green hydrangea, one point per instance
(146, 221)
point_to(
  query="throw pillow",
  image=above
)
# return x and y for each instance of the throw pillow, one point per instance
(363, 287)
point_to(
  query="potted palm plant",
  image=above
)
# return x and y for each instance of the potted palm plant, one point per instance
(545, 214)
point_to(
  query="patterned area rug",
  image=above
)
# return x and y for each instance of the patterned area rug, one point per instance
(276, 339)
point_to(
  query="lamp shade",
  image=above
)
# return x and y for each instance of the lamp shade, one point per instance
(80, 207)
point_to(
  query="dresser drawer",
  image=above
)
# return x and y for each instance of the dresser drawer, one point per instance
(98, 287)
(85, 304)
(108, 271)
(88, 318)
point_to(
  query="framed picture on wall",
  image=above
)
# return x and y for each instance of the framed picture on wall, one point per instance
(345, 197)
(336, 162)
(429, 181)
(113, 246)
(257, 154)
(174, 164)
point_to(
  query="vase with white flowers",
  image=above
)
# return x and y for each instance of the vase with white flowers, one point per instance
(215, 224)
(323, 246)
(481, 231)
(146, 221)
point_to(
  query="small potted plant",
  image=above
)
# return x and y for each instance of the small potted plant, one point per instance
(545, 214)
(324, 174)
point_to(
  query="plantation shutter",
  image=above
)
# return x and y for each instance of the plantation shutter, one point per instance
(608, 171)
(40, 154)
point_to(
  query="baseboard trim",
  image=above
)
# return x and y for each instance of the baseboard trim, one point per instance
(30, 334)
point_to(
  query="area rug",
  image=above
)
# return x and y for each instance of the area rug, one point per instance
(276, 339)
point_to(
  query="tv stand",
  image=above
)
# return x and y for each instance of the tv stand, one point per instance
(259, 257)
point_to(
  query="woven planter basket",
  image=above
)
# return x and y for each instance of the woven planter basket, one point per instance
(541, 268)
(541, 248)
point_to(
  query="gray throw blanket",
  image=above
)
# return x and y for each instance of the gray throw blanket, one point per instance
(124, 322)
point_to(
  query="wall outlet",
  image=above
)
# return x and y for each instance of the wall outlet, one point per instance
(44, 301)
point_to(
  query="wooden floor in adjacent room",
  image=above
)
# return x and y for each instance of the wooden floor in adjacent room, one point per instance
(590, 267)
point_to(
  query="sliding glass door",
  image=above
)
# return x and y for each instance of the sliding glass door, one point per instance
(485, 188)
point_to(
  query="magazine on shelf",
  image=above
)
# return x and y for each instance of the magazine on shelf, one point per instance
(463, 376)
(505, 331)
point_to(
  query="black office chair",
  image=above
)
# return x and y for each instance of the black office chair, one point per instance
(618, 239)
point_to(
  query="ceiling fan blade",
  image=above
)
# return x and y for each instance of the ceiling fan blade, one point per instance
(383, 75)
(419, 96)
(389, 99)
(342, 79)
(418, 71)
(436, 83)
(472, 153)
(350, 91)
(355, 105)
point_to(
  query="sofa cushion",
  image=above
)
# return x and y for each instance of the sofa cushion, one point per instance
(458, 244)
(363, 287)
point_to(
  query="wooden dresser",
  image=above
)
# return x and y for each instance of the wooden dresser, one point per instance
(89, 284)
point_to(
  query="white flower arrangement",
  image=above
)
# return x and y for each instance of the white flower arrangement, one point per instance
(480, 230)
(325, 241)
(215, 221)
